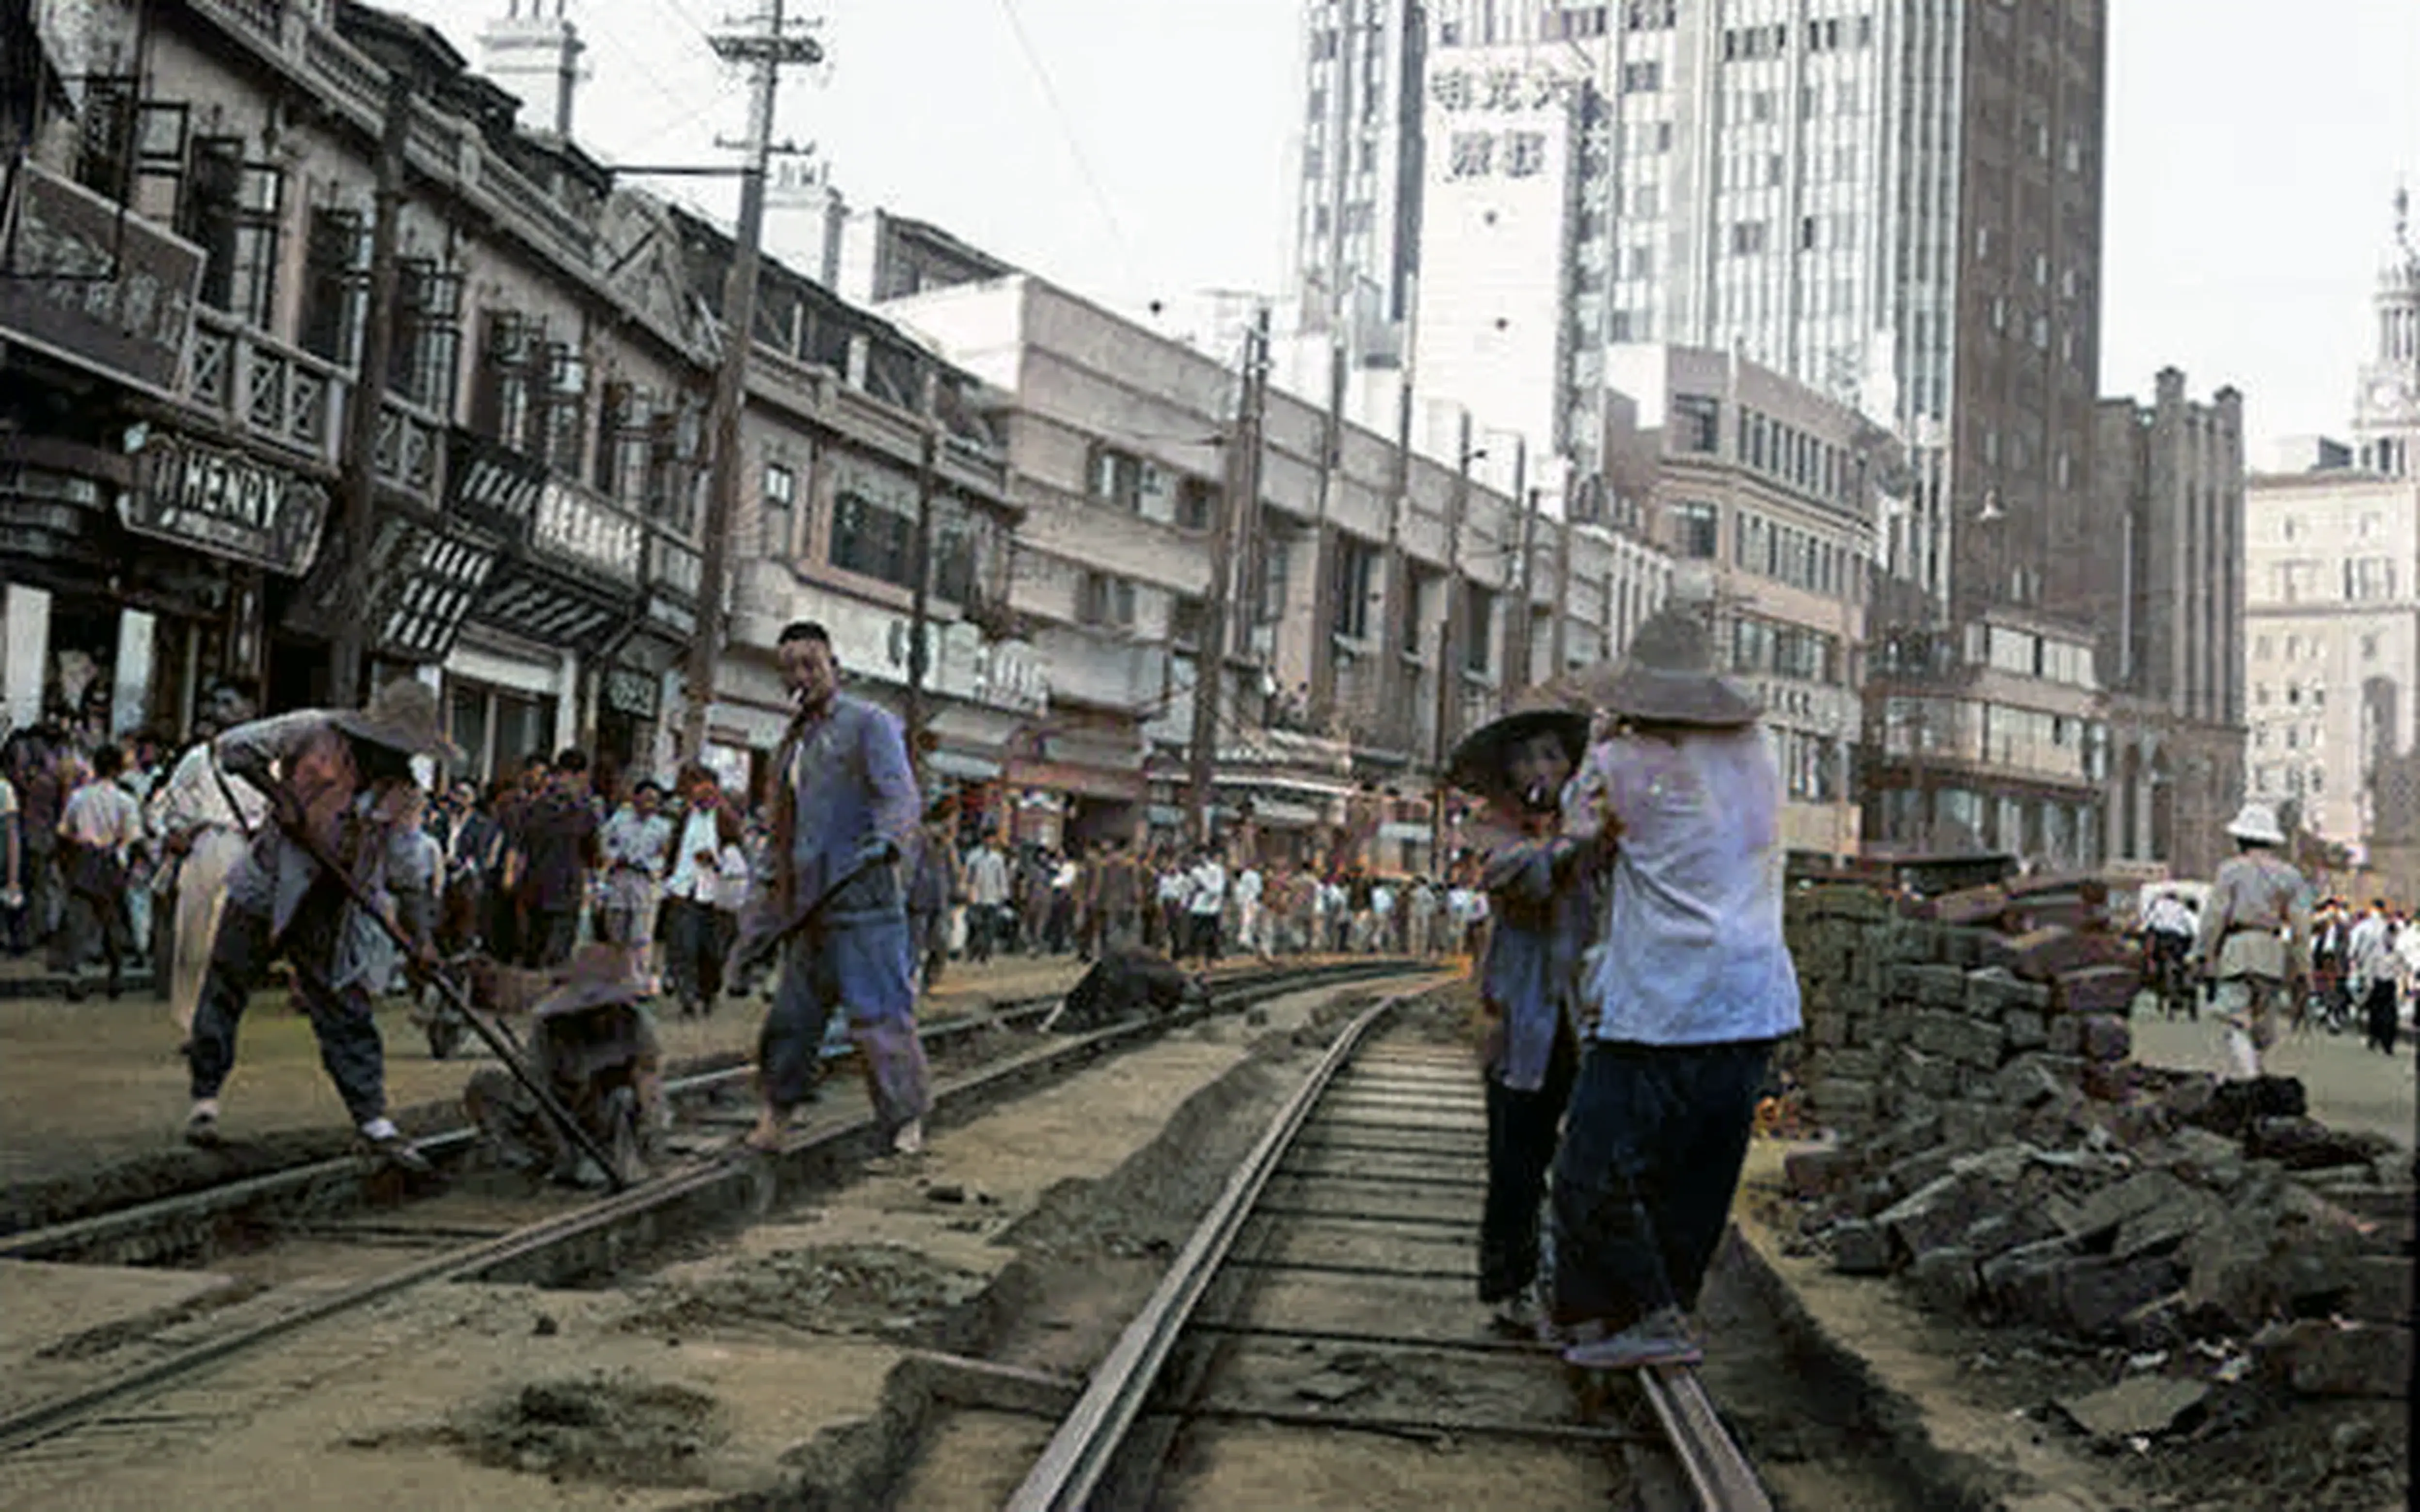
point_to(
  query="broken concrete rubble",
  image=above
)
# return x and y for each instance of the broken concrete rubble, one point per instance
(2136, 1407)
(1997, 1149)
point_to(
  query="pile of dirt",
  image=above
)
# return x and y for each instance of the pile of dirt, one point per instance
(603, 1427)
(881, 1290)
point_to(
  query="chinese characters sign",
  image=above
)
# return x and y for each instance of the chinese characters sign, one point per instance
(1477, 147)
(96, 285)
(1465, 91)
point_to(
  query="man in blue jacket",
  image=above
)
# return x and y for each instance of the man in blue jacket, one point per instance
(831, 902)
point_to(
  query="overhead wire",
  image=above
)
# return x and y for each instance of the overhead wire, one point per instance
(1068, 134)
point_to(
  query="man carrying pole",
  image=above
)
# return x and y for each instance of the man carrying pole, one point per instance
(340, 786)
(833, 907)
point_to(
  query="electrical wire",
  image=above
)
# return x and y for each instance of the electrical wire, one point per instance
(1068, 134)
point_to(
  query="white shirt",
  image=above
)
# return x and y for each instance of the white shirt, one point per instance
(1247, 888)
(698, 884)
(2168, 915)
(102, 816)
(2369, 954)
(1209, 889)
(1382, 900)
(987, 878)
(195, 799)
(1173, 886)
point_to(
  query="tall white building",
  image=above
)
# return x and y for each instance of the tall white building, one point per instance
(2332, 630)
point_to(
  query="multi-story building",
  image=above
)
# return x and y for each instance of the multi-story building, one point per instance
(1359, 214)
(2331, 632)
(2167, 596)
(1117, 444)
(184, 331)
(1766, 493)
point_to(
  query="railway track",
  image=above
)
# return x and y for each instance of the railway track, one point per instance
(586, 1241)
(1317, 1335)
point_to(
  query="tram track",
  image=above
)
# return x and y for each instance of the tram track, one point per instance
(1316, 1325)
(595, 1238)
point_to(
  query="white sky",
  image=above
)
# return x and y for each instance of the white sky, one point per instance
(2252, 151)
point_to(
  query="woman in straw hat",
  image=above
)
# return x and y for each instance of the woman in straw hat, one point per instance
(2256, 937)
(1539, 883)
(1690, 986)
(344, 777)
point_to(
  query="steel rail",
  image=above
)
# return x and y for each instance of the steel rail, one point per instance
(1080, 1452)
(93, 1236)
(715, 1187)
(1718, 1475)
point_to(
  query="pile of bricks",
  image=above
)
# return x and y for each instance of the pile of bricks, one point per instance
(1995, 1147)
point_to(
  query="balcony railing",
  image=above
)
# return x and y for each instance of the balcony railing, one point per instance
(410, 446)
(262, 388)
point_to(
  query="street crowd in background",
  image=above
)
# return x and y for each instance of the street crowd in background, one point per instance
(2365, 967)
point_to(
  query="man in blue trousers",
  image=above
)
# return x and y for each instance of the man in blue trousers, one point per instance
(831, 901)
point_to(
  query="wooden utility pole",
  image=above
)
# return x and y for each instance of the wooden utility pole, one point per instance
(766, 50)
(368, 401)
(1242, 492)
(1517, 634)
(919, 611)
(1397, 722)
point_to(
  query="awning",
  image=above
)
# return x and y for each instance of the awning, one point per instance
(1287, 816)
(1312, 786)
(1162, 816)
(964, 768)
(1079, 781)
(1397, 829)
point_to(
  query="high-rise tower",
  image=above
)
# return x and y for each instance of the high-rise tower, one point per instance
(2386, 408)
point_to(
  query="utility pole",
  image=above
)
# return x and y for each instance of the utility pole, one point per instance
(1397, 721)
(920, 612)
(1242, 492)
(766, 50)
(1517, 638)
(353, 625)
(1448, 675)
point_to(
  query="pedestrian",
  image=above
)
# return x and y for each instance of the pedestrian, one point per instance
(1421, 920)
(205, 824)
(1544, 888)
(1176, 923)
(988, 896)
(833, 906)
(100, 830)
(1117, 896)
(40, 757)
(692, 888)
(13, 856)
(1205, 905)
(2256, 938)
(2370, 967)
(1067, 876)
(1687, 796)
(557, 842)
(932, 883)
(1251, 918)
(635, 845)
(343, 777)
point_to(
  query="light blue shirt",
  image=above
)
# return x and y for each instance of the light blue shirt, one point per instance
(1693, 951)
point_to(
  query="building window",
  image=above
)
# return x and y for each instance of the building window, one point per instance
(872, 538)
(1116, 477)
(1698, 423)
(501, 402)
(560, 427)
(428, 334)
(1643, 78)
(1477, 630)
(625, 435)
(1187, 616)
(335, 292)
(2370, 648)
(779, 504)
(1696, 531)
(2369, 578)
(1357, 563)
(233, 210)
(1748, 237)
(1195, 498)
(1104, 601)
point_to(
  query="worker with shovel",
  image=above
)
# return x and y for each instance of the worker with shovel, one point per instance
(594, 1041)
(341, 790)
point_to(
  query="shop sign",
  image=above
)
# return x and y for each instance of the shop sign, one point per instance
(672, 575)
(93, 283)
(576, 526)
(226, 504)
(633, 691)
(490, 485)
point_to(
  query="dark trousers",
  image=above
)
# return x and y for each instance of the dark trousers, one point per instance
(928, 938)
(1204, 942)
(1650, 1155)
(95, 921)
(983, 930)
(349, 1046)
(693, 950)
(1520, 1134)
(548, 936)
(2378, 1013)
(858, 964)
